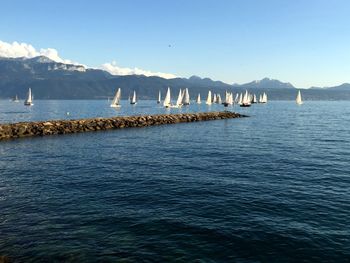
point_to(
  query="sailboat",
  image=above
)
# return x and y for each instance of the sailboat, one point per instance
(254, 99)
(236, 98)
(228, 98)
(116, 100)
(186, 100)
(15, 99)
(159, 98)
(214, 98)
(246, 100)
(199, 99)
(263, 98)
(209, 98)
(179, 100)
(218, 99)
(298, 100)
(133, 99)
(167, 99)
(225, 103)
(29, 100)
(240, 99)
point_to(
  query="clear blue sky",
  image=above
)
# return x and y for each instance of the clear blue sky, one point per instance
(305, 42)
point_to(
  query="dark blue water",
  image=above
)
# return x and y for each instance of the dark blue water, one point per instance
(274, 187)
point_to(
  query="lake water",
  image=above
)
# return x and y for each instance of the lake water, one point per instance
(274, 187)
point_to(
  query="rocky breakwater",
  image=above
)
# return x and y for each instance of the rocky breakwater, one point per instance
(26, 129)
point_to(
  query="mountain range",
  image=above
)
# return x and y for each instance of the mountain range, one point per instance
(53, 80)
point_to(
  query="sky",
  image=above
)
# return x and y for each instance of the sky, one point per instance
(304, 42)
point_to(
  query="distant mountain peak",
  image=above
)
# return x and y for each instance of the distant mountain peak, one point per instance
(195, 77)
(265, 83)
(41, 59)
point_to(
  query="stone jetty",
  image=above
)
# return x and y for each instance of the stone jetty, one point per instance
(27, 129)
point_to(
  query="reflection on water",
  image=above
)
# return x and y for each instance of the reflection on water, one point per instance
(274, 187)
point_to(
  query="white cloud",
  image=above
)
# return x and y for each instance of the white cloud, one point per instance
(114, 69)
(52, 53)
(16, 50)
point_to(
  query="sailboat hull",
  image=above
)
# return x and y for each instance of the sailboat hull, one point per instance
(115, 106)
(245, 105)
(26, 103)
(175, 106)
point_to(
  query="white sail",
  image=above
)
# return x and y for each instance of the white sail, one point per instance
(133, 99)
(231, 99)
(116, 100)
(214, 98)
(245, 97)
(240, 100)
(299, 100)
(264, 98)
(179, 99)
(29, 100)
(227, 97)
(199, 98)
(254, 99)
(209, 98)
(218, 99)
(167, 99)
(186, 95)
(159, 98)
(236, 98)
